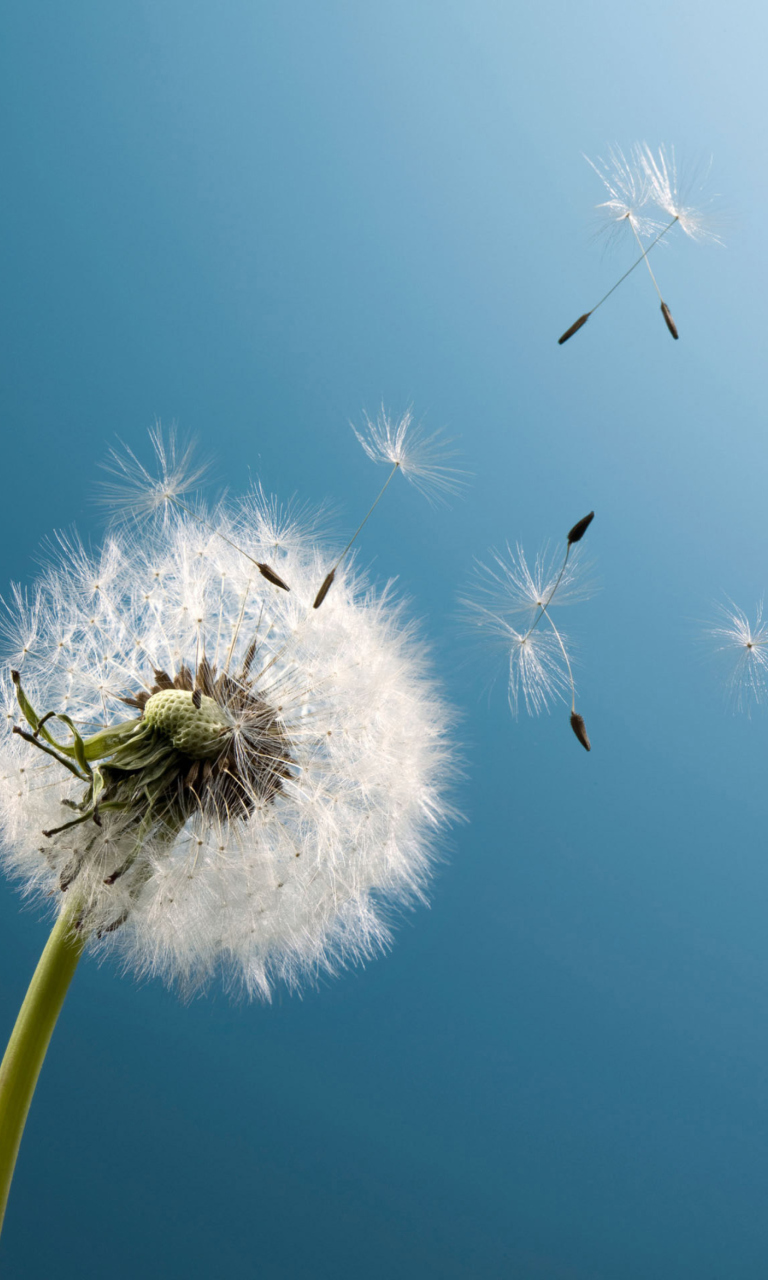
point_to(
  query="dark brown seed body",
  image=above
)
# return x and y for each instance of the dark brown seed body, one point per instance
(272, 577)
(669, 322)
(580, 528)
(580, 729)
(325, 588)
(574, 328)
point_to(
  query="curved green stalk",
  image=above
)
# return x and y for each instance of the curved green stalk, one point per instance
(30, 1038)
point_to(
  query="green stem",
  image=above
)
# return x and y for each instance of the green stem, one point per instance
(29, 1040)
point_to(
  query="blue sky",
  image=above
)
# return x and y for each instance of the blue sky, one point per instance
(260, 221)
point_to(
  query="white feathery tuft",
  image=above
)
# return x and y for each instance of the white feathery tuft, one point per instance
(629, 189)
(745, 648)
(135, 492)
(672, 193)
(421, 455)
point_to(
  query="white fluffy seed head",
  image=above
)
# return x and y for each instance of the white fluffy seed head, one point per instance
(337, 739)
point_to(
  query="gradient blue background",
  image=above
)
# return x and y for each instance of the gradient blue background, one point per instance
(258, 220)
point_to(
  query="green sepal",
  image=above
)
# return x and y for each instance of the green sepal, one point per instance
(98, 745)
(106, 741)
(141, 752)
(30, 737)
(25, 706)
(77, 748)
(98, 786)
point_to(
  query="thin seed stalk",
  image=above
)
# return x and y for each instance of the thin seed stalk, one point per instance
(30, 1038)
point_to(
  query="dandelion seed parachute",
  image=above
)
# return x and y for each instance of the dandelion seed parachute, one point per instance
(540, 668)
(134, 492)
(744, 648)
(629, 188)
(511, 588)
(508, 598)
(421, 455)
(671, 192)
(406, 447)
(270, 846)
(643, 185)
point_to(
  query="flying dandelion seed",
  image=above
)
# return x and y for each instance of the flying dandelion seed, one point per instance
(631, 189)
(203, 774)
(641, 187)
(421, 456)
(744, 647)
(509, 600)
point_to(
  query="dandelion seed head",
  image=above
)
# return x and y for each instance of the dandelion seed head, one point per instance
(421, 455)
(281, 780)
(744, 647)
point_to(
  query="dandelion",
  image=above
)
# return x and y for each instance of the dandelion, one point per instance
(421, 456)
(641, 187)
(509, 600)
(204, 775)
(745, 647)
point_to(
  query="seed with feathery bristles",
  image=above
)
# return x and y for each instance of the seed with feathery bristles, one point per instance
(514, 604)
(743, 645)
(643, 185)
(405, 446)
